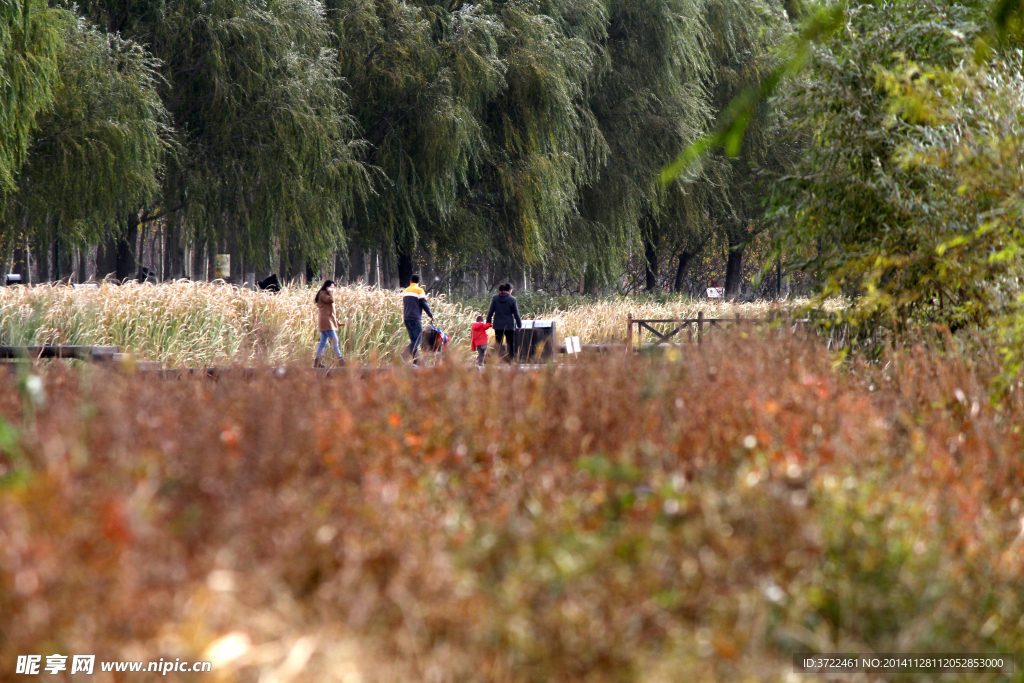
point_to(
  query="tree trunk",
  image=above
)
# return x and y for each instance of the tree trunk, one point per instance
(126, 264)
(140, 251)
(684, 261)
(385, 270)
(19, 263)
(296, 265)
(106, 258)
(63, 260)
(374, 273)
(237, 273)
(651, 256)
(405, 265)
(8, 260)
(174, 249)
(356, 265)
(83, 264)
(342, 267)
(734, 270)
(43, 257)
(198, 261)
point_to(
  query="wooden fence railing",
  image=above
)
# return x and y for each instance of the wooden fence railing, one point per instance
(680, 324)
(90, 353)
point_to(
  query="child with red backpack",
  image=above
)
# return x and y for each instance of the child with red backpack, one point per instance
(479, 338)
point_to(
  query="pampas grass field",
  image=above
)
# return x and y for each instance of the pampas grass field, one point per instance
(202, 324)
(693, 517)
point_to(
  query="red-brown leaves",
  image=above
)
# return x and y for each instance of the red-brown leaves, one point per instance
(600, 522)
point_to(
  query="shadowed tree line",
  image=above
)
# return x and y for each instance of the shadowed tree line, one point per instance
(498, 137)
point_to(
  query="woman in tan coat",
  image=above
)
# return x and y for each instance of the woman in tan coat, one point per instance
(327, 321)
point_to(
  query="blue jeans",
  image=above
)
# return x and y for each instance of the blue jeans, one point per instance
(415, 329)
(324, 337)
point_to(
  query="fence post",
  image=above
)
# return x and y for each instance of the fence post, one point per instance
(629, 333)
(700, 327)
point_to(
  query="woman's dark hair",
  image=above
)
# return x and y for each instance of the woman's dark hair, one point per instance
(327, 283)
(505, 287)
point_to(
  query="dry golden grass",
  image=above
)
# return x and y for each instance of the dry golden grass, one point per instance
(200, 324)
(652, 520)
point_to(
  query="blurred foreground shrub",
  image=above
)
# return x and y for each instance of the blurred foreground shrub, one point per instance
(660, 520)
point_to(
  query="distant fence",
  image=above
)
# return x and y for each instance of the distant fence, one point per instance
(698, 327)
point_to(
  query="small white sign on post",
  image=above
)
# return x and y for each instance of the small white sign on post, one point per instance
(572, 345)
(716, 292)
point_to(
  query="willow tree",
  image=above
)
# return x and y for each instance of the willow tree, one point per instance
(267, 158)
(97, 151)
(30, 44)
(417, 77)
(544, 141)
(474, 114)
(669, 69)
(648, 99)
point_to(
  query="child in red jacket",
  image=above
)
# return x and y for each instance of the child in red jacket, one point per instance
(479, 339)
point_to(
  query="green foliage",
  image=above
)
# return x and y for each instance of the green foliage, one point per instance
(475, 115)
(649, 100)
(857, 210)
(30, 44)
(98, 151)
(973, 138)
(270, 147)
(268, 151)
(527, 132)
(533, 132)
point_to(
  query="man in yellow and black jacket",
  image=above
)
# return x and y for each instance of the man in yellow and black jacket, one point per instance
(414, 304)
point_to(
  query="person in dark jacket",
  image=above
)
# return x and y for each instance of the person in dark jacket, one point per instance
(504, 316)
(414, 305)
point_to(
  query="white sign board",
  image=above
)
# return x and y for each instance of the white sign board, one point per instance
(716, 292)
(572, 344)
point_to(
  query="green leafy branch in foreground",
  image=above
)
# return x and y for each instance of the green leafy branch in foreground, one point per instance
(819, 23)
(905, 198)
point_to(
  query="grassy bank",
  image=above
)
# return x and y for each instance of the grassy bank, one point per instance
(693, 520)
(196, 324)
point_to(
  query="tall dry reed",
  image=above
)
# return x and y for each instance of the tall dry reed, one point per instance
(196, 323)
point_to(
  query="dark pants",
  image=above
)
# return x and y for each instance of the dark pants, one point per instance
(510, 340)
(415, 328)
(481, 352)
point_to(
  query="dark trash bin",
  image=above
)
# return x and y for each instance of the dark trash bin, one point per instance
(270, 284)
(535, 341)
